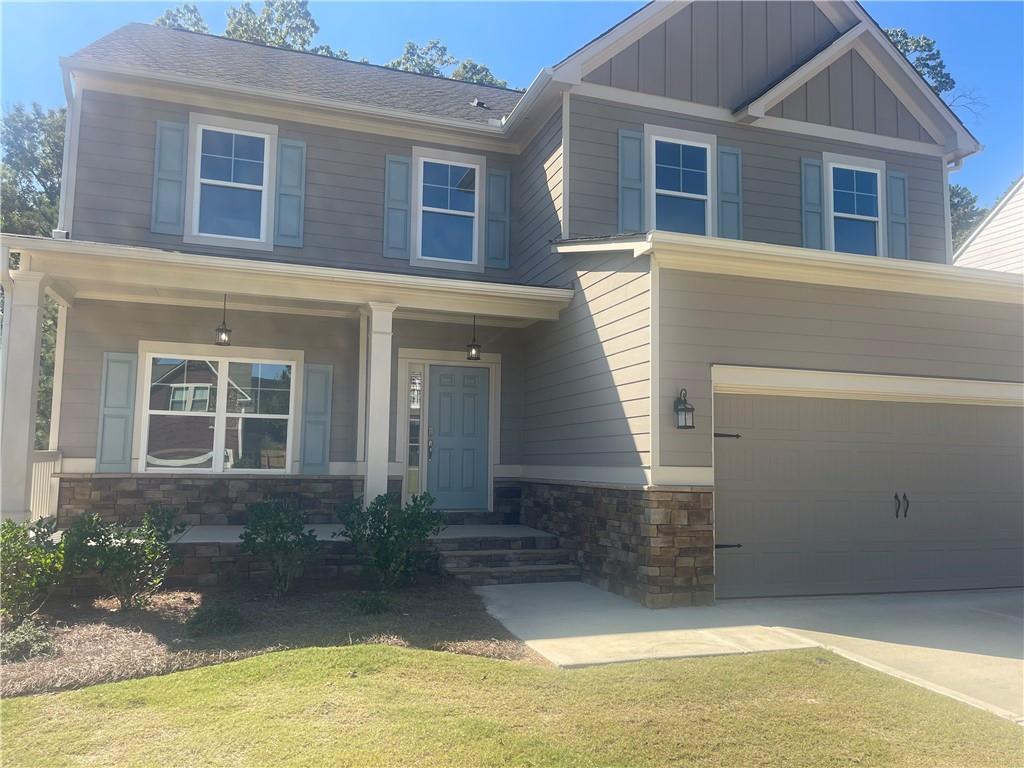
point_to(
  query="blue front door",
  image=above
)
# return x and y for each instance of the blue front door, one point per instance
(457, 460)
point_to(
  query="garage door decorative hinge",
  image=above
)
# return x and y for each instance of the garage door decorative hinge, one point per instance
(728, 434)
(728, 546)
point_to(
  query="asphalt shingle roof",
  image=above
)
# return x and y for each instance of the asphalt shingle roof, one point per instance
(148, 48)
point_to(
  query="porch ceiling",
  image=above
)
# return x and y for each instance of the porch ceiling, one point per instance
(79, 269)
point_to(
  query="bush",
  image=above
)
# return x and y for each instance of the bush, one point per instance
(391, 536)
(31, 563)
(215, 619)
(275, 531)
(131, 563)
(371, 603)
(29, 638)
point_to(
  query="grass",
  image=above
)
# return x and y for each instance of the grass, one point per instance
(184, 630)
(372, 705)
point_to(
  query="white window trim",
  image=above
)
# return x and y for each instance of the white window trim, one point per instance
(831, 161)
(420, 155)
(706, 141)
(265, 131)
(150, 349)
(426, 358)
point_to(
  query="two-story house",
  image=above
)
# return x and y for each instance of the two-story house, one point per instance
(687, 302)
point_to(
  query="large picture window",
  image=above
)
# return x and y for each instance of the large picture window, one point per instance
(218, 414)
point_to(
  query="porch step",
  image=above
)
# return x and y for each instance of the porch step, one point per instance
(453, 560)
(451, 543)
(518, 574)
(472, 517)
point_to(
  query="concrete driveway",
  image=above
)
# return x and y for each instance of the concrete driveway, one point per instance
(967, 645)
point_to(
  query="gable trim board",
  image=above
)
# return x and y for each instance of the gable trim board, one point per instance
(790, 382)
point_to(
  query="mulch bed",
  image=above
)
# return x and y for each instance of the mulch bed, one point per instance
(95, 643)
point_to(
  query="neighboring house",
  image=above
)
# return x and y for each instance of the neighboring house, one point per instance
(706, 257)
(998, 241)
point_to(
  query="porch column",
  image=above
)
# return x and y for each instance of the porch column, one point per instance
(378, 400)
(22, 335)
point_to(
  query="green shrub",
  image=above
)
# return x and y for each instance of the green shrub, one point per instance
(215, 619)
(131, 563)
(391, 536)
(276, 531)
(29, 638)
(372, 603)
(31, 563)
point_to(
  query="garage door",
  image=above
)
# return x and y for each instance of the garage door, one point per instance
(814, 490)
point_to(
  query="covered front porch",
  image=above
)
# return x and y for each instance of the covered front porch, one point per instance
(323, 389)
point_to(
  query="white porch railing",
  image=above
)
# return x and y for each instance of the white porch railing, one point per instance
(45, 464)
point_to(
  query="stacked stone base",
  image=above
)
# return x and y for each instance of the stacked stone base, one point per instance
(655, 546)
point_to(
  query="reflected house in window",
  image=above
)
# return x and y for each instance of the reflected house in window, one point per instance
(187, 419)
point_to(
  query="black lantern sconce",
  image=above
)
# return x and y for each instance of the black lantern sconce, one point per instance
(684, 411)
(222, 336)
(473, 348)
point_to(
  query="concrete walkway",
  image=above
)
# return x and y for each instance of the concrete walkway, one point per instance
(968, 645)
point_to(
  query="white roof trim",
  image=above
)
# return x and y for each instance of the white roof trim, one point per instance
(825, 58)
(991, 215)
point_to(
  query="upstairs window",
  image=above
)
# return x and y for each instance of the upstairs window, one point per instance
(448, 216)
(680, 168)
(855, 209)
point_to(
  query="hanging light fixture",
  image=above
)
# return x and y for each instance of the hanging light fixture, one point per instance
(222, 336)
(473, 349)
(684, 411)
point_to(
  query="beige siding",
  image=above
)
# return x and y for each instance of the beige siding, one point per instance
(695, 55)
(707, 319)
(344, 187)
(537, 201)
(999, 241)
(771, 175)
(587, 375)
(95, 327)
(850, 95)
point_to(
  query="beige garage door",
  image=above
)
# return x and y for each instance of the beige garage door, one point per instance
(810, 490)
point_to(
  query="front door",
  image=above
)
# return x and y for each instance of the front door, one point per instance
(457, 436)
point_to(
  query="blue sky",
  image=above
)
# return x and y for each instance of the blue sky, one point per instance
(981, 43)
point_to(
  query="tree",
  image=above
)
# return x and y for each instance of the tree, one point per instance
(430, 59)
(964, 213)
(472, 72)
(923, 54)
(279, 23)
(185, 17)
(31, 156)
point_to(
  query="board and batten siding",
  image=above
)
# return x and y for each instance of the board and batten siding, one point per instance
(537, 202)
(719, 53)
(712, 319)
(95, 327)
(344, 203)
(771, 175)
(586, 376)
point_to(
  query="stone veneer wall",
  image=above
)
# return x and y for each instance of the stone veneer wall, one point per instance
(220, 500)
(651, 545)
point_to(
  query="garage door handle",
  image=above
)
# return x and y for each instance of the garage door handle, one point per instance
(896, 498)
(906, 505)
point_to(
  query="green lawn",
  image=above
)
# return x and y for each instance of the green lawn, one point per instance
(382, 706)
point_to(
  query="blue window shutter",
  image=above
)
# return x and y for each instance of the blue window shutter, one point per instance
(397, 188)
(117, 412)
(730, 193)
(291, 192)
(811, 202)
(897, 224)
(169, 178)
(497, 219)
(316, 420)
(631, 181)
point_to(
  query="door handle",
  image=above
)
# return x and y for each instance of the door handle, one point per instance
(906, 505)
(896, 498)
(430, 450)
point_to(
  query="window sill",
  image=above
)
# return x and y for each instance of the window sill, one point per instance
(228, 242)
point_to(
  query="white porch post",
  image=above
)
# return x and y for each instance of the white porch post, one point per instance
(378, 400)
(20, 387)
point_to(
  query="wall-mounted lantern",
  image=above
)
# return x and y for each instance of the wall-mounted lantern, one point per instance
(473, 348)
(684, 411)
(222, 336)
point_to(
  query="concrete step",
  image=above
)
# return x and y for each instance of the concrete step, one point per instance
(472, 517)
(519, 574)
(503, 558)
(467, 543)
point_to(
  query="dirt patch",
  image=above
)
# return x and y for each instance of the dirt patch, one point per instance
(97, 644)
